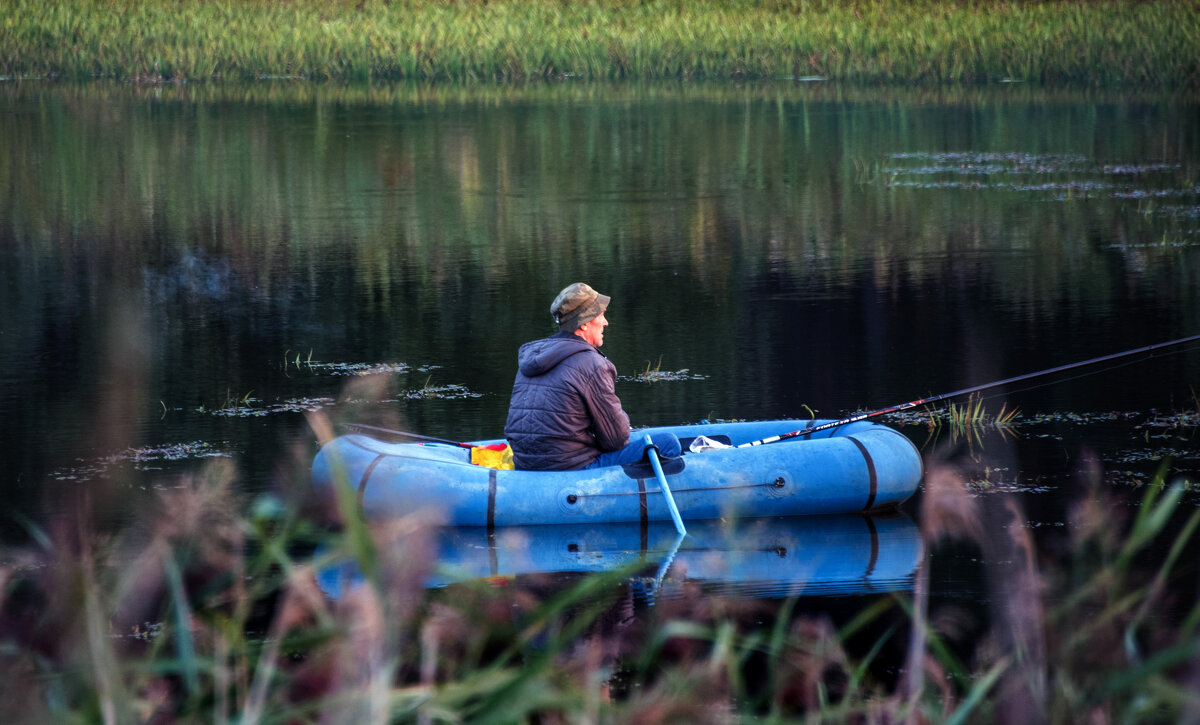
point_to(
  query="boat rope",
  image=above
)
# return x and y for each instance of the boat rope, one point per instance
(777, 483)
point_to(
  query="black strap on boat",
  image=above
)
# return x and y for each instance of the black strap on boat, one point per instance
(362, 484)
(871, 474)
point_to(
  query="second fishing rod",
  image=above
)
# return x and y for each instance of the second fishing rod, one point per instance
(967, 391)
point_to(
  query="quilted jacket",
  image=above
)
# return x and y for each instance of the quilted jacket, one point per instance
(564, 410)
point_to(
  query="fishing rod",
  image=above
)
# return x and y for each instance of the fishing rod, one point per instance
(965, 391)
(404, 434)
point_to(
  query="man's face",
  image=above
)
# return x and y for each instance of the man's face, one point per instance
(593, 331)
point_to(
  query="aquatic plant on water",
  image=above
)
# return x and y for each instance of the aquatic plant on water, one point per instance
(658, 375)
(972, 413)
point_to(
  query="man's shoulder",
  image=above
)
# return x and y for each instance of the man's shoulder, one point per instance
(540, 356)
(589, 359)
(558, 344)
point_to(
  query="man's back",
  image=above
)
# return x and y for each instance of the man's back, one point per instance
(564, 410)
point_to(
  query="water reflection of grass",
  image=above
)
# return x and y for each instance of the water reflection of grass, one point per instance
(206, 608)
(400, 195)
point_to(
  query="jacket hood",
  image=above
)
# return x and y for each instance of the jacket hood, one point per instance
(541, 356)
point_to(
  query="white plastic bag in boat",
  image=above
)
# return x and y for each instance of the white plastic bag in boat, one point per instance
(704, 443)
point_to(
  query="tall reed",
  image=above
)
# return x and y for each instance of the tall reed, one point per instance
(1144, 43)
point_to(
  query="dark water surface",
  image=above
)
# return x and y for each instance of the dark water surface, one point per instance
(188, 269)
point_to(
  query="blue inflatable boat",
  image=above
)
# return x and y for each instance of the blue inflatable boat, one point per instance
(857, 467)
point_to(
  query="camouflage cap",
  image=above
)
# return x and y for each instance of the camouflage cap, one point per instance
(578, 305)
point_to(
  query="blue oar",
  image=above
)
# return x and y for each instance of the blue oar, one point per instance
(652, 453)
(663, 566)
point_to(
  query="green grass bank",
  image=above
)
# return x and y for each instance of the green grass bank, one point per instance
(1089, 42)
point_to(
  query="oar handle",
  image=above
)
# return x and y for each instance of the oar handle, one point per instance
(652, 453)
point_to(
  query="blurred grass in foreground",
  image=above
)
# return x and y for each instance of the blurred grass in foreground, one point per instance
(207, 609)
(1145, 42)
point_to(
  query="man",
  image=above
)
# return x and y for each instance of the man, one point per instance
(564, 412)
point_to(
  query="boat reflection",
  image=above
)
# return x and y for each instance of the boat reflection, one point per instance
(759, 558)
